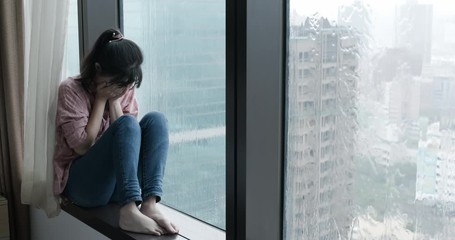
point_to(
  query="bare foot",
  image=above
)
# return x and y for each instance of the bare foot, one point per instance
(150, 209)
(131, 219)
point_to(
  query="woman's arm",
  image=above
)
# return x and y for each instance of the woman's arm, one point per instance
(104, 93)
(115, 109)
(110, 94)
(93, 125)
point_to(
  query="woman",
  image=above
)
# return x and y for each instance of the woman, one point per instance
(103, 153)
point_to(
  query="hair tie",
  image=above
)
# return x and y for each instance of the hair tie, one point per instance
(116, 37)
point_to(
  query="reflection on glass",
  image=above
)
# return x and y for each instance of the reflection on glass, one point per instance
(71, 65)
(370, 120)
(184, 77)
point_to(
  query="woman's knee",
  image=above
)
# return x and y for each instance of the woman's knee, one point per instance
(155, 119)
(127, 122)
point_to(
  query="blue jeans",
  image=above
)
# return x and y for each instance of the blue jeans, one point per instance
(125, 164)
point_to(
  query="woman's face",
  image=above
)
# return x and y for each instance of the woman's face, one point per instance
(108, 81)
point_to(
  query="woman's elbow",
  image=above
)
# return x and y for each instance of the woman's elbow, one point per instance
(83, 148)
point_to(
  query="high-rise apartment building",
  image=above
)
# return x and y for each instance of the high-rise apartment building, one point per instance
(436, 167)
(438, 94)
(322, 124)
(413, 27)
(435, 183)
(402, 99)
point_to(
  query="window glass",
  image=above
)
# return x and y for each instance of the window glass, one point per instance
(370, 120)
(184, 77)
(71, 65)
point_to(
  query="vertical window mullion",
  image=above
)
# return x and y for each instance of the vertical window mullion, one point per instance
(94, 18)
(255, 80)
(264, 121)
(235, 118)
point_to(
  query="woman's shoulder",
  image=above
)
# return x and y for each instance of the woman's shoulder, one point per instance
(72, 84)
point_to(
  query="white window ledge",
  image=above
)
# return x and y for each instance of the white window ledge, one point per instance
(193, 228)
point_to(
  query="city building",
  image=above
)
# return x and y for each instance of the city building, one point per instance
(413, 28)
(427, 164)
(436, 167)
(435, 183)
(438, 93)
(322, 82)
(402, 99)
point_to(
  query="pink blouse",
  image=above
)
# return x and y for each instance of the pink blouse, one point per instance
(73, 110)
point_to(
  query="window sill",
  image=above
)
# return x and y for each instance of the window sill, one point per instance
(105, 221)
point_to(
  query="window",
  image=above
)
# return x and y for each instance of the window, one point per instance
(184, 77)
(153, 24)
(330, 72)
(306, 57)
(307, 72)
(71, 67)
(386, 76)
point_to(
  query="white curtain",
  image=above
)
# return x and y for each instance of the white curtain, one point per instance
(45, 34)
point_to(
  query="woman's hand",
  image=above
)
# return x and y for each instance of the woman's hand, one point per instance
(110, 92)
(115, 108)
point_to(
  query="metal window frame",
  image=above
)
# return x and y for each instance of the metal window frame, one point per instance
(94, 18)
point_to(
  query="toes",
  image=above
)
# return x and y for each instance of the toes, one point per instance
(160, 231)
(175, 227)
(168, 226)
(156, 232)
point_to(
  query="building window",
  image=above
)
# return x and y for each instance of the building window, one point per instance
(300, 73)
(306, 57)
(330, 71)
(307, 73)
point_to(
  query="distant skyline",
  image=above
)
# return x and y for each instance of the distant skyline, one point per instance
(329, 8)
(382, 14)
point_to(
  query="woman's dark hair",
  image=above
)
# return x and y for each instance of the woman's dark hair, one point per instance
(117, 56)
